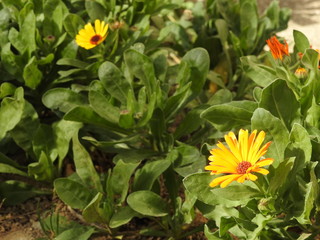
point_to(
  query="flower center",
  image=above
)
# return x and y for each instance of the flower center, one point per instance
(243, 166)
(95, 39)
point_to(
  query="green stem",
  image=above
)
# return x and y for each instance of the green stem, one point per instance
(260, 187)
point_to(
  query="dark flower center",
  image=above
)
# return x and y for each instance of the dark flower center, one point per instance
(243, 166)
(95, 39)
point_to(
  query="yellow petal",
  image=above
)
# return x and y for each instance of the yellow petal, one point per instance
(262, 151)
(104, 29)
(226, 153)
(243, 143)
(252, 177)
(265, 162)
(221, 179)
(242, 178)
(262, 171)
(223, 162)
(97, 26)
(85, 34)
(233, 147)
(254, 150)
(229, 180)
(89, 30)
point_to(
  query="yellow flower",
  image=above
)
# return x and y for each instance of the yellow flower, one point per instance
(240, 160)
(301, 72)
(89, 37)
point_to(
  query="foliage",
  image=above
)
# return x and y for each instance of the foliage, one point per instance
(285, 203)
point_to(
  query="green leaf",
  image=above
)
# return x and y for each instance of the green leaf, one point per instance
(93, 212)
(133, 156)
(43, 141)
(78, 232)
(15, 192)
(280, 176)
(281, 102)
(95, 10)
(299, 147)
(113, 81)
(84, 114)
(148, 174)
(101, 105)
(8, 161)
(141, 67)
(260, 74)
(24, 132)
(213, 236)
(310, 194)
(6, 168)
(275, 132)
(220, 97)
(225, 224)
(301, 41)
(43, 170)
(262, 222)
(27, 31)
(248, 24)
(11, 111)
(6, 89)
(122, 216)
(233, 195)
(198, 61)
(226, 116)
(313, 114)
(191, 122)
(24, 40)
(63, 99)
(73, 193)
(49, 6)
(72, 62)
(10, 62)
(223, 33)
(148, 109)
(158, 126)
(63, 132)
(84, 166)
(46, 60)
(177, 101)
(148, 203)
(71, 24)
(120, 178)
(31, 74)
(310, 59)
(189, 160)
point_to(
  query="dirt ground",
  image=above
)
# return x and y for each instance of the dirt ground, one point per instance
(20, 222)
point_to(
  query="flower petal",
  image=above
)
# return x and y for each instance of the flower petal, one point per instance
(221, 179)
(97, 27)
(261, 170)
(265, 162)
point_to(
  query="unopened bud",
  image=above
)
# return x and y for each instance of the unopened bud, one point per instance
(301, 72)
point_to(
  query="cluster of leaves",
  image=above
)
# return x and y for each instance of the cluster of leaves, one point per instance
(286, 106)
(133, 116)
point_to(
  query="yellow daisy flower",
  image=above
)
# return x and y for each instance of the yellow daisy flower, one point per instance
(240, 160)
(89, 37)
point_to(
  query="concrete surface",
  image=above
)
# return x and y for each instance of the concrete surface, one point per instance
(305, 18)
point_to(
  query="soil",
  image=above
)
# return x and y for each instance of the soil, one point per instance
(21, 222)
